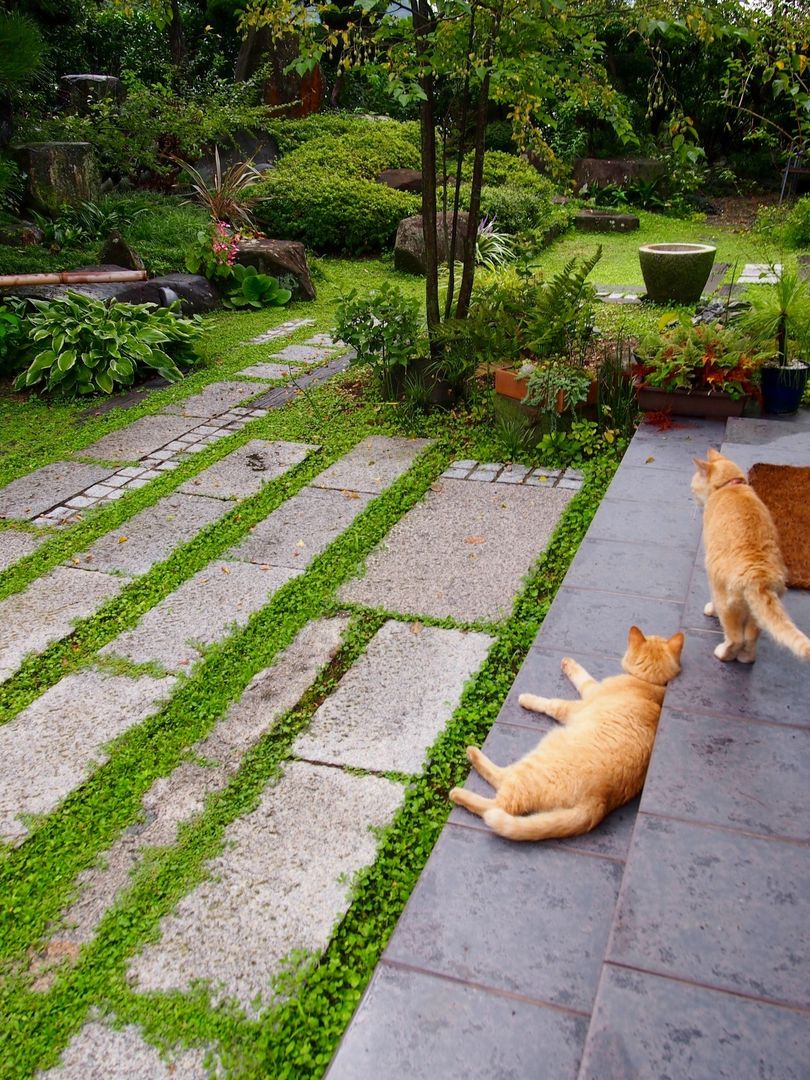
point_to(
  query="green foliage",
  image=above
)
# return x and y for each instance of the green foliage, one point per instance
(86, 223)
(361, 151)
(230, 195)
(383, 328)
(11, 186)
(583, 443)
(13, 337)
(499, 136)
(255, 290)
(561, 320)
(517, 210)
(716, 359)
(291, 134)
(790, 223)
(555, 380)
(508, 170)
(91, 346)
(22, 50)
(779, 316)
(493, 248)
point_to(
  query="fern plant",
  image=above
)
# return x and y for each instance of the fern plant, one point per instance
(561, 321)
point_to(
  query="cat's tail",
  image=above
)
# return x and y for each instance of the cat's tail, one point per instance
(770, 614)
(546, 825)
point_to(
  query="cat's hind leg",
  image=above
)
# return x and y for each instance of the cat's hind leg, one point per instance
(476, 804)
(709, 610)
(733, 617)
(493, 774)
(748, 653)
(556, 708)
(582, 681)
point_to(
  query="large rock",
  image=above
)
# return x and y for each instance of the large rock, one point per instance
(402, 180)
(279, 258)
(117, 250)
(605, 221)
(195, 293)
(259, 148)
(78, 92)
(409, 247)
(598, 172)
(21, 234)
(59, 173)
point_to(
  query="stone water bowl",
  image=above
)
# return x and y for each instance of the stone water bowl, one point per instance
(676, 273)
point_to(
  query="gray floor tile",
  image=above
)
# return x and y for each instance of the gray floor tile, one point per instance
(638, 483)
(746, 776)
(31, 495)
(644, 1026)
(504, 745)
(673, 449)
(775, 688)
(372, 465)
(541, 674)
(245, 471)
(640, 569)
(658, 524)
(526, 918)
(699, 595)
(715, 907)
(765, 430)
(414, 1025)
(585, 621)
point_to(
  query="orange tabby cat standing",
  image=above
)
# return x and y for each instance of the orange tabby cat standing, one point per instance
(743, 561)
(596, 762)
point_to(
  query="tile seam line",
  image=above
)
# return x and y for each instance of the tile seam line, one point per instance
(630, 543)
(712, 715)
(618, 592)
(472, 827)
(779, 1003)
(700, 824)
(510, 995)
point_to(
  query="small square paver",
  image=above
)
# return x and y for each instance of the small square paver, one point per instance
(374, 464)
(722, 772)
(647, 1026)
(46, 611)
(246, 470)
(15, 545)
(266, 371)
(137, 440)
(414, 1025)
(151, 535)
(202, 611)
(716, 907)
(216, 398)
(99, 1052)
(423, 670)
(527, 919)
(31, 495)
(514, 474)
(301, 528)
(642, 569)
(583, 621)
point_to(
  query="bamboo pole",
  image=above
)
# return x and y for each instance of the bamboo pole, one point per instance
(72, 277)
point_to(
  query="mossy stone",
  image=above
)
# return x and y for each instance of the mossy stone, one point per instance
(676, 273)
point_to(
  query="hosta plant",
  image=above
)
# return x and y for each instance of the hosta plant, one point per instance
(255, 290)
(87, 346)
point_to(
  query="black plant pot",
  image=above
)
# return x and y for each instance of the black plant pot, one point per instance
(782, 388)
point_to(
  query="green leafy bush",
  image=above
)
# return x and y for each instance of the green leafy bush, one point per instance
(11, 186)
(508, 170)
(82, 224)
(362, 152)
(90, 346)
(516, 210)
(13, 337)
(290, 134)
(255, 290)
(717, 359)
(793, 223)
(383, 328)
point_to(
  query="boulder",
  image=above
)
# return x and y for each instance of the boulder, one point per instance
(78, 92)
(409, 247)
(117, 250)
(605, 221)
(260, 148)
(279, 258)
(20, 234)
(402, 180)
(196, 294)
(59, 173)
(598, 172)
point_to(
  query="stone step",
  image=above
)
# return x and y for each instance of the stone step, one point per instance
(215, 399)
(246, 471)
(280, 884)
(15, 545)
(49, 748)
(32, 495)
(281, 331)
(100, 1052)
(373, 465)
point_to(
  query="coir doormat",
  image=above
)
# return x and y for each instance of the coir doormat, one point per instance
(785, 490)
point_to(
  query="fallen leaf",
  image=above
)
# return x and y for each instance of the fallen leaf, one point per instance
(416, 628)
(122, 539)
(351, 494)
(475, 540)
(300, 544)
(225, 569)
(649, 460)
(436, 486)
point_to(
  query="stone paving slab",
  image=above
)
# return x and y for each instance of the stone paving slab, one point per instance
(135, 441)
(759, 274)
(152, 535)
(280, 884)
(31, 495)
(266, 371)
(389, 708)
(180, 796)
(303, 354)
(246, 470)
(280, 331)
(301, 528)
(416, 1026)
(15, 545)
(99, 1052)
(46, 611)
(462, 552)
(582, 621)
(647, 1026)
(373, 465)
(50, 748)
(200, 612)
(216, 398)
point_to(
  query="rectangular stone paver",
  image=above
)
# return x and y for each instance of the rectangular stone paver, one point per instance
(374, 464)
(99, 1052)
(47, 610)
(281, 883)
(248, 469)
(137, 440)
(200, 611)
(49, 748)
(461, 552)
(216, 398)
(266, 371)
(31, 495)
(15, 545)
(151, 536)
(280, 331)
(303, 354)
(301, 528)
(390, 707)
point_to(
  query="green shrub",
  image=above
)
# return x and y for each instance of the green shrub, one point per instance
(290, 134)
(13, 337)
(516, 210)
(509, 170)
(383, 328)
(11, 186)
(792, 223)
(499, 136)
(363, 152)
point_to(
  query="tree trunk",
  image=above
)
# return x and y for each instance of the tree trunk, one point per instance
(177, 40)
(422, 24)
(468, 273)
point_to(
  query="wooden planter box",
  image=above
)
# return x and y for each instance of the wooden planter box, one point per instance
(688, 402)
(509, 385)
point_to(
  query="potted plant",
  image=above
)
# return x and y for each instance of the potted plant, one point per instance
(676, 273)
(702, 370)
(779, 321)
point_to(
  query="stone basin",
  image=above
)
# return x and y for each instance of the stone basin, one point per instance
(676, 273)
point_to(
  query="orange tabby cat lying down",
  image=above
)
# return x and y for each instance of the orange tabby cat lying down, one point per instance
(596, 762)
(743, 561)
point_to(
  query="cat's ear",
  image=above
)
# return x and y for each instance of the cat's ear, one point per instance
(635, 636)
(713, 455)
(703, 466)
(676, 644)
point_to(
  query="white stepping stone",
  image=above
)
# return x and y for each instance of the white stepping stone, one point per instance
(201, 612)
(31, 495)
(138, 440)
(47, 610)
(301, 528)
(760, 274)
(325, 341)
(390, 707)
(180, 796)
(302, 354)
(267, 371)
(15, 545)
(150, 536)
(462, 551)
(281, 883)
(52, 746)
(280, 331)
(374, 464)
(248, 469)
(98, 1052)
(216, 398)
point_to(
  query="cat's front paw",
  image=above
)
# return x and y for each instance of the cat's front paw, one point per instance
(473, 754)
(454, 795)
(568, 666)
(532, 702)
